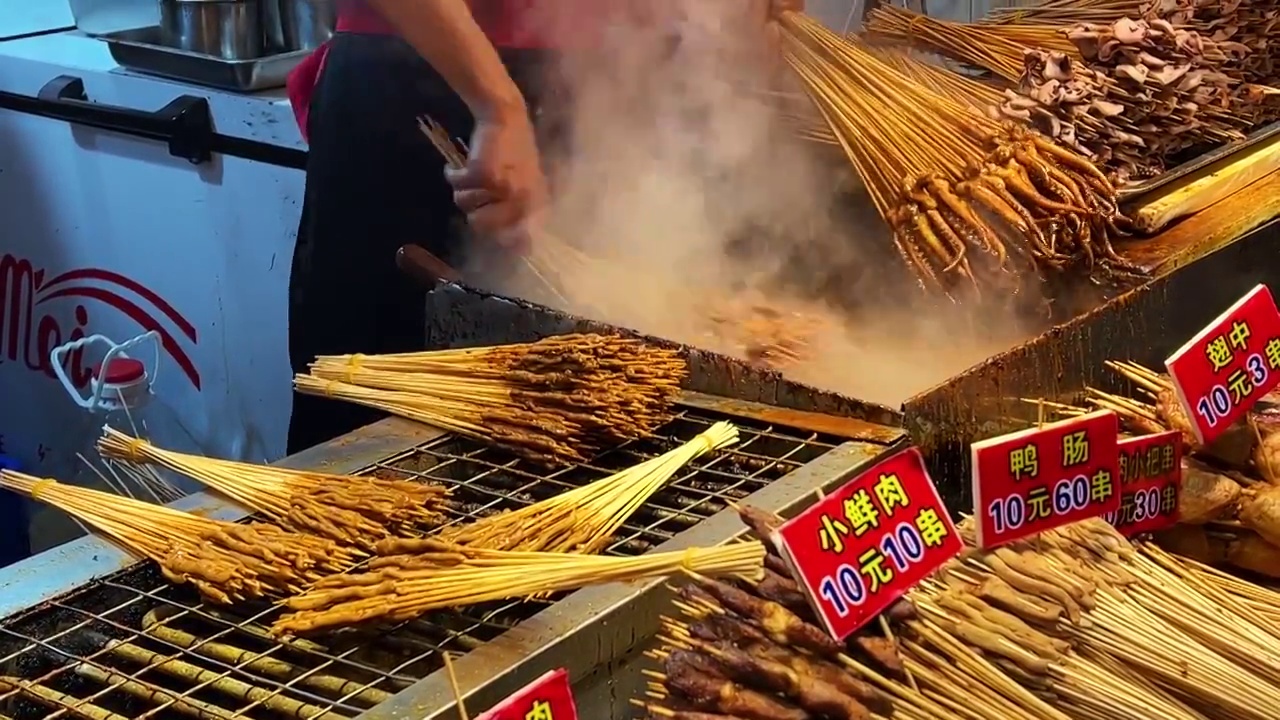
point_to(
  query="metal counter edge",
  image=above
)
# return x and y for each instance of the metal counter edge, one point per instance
(64, 568)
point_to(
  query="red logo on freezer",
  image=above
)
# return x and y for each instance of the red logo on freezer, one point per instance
(28, 331)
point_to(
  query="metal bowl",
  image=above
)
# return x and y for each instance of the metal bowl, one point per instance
(227, 29)
(292, 25)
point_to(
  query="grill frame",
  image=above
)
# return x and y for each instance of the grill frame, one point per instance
(589, 631)
(591, 627)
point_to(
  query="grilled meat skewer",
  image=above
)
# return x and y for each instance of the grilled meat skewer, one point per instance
(685, 673)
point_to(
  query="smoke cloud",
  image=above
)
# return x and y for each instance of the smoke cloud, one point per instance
(680, 175)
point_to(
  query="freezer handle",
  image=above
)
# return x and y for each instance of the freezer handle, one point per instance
(184, 124)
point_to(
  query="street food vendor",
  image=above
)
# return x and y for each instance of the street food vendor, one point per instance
(374, 183)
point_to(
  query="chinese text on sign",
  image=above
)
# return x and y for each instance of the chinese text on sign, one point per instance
(547, 698)
(1035, 480)
(864, 545)
(1150, 483)
(1221, 372)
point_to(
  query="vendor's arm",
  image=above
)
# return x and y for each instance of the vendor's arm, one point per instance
(501, 185)
(447, 36)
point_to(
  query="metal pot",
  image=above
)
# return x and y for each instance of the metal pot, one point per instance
(298, 24)
(227, 29)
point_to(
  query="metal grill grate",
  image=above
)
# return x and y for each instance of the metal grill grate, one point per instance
(133, 646)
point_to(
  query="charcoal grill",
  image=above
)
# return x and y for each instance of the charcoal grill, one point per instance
(88, 633)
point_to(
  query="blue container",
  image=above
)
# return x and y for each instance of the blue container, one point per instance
(15, 540)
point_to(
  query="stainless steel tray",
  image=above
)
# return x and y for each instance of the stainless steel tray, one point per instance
(140, 50)
(1137, 190)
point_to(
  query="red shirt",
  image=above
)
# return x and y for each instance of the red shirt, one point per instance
(511, 24)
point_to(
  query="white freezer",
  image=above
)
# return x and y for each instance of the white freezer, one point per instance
(107, 232)
(27, 17)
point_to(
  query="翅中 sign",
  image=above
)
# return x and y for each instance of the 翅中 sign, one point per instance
(1222, 371)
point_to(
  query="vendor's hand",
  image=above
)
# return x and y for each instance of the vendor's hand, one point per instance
(501, 187)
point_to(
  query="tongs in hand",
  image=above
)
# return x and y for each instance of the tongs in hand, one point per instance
(454, 153)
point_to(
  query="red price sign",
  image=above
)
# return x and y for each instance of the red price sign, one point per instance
(863, 546)
(547, 698)
(1035, 480)
(1150, 482)
(1230, 365)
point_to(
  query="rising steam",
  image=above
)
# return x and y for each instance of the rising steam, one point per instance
(678, 168)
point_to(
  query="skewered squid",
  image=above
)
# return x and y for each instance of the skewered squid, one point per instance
(1030, 205)
(973, 203)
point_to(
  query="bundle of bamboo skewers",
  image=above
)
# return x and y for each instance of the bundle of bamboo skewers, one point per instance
(562, 398)
(995, 48)
(582, 520)
(963, 89)
(355, 511)
(403, 587)
(227, 562)
(1075, 625)
(1229, 501)
(1143, 638)
(1262, 602)
(972, 203)
(1059, 13)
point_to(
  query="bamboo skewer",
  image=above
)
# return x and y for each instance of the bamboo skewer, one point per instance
(1057, 408)
(226, 562)
(399, 588)
(1122, 406)
(1147, 379)
(558, 399)
(356, 511)
(1063, 12)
